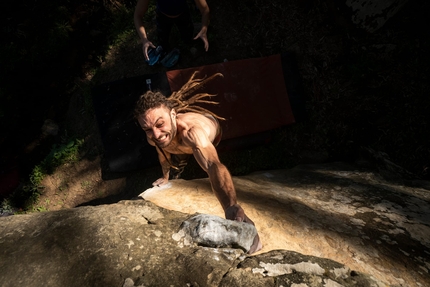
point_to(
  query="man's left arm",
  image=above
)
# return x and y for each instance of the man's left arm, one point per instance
(222, 184)
(207, 157)
(204, 10)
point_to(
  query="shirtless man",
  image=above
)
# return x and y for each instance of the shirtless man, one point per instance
(189, 133)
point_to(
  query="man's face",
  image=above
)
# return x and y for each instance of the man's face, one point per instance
(159, 125)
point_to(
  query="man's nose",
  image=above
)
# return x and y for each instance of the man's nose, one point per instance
(156, 133)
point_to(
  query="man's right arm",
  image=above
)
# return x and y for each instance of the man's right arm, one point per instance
(140, 11)
(164, 159)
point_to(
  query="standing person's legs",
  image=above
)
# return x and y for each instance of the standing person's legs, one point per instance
(164, 27)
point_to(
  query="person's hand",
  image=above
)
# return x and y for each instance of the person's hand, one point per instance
(202, 35)
(145, 46)
(160, 181)
(236, 212)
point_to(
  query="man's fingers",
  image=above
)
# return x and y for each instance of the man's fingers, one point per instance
(236, 212)
(256, 245)
(248, 220)
(160, 181)
(205, 41)
(145, 53)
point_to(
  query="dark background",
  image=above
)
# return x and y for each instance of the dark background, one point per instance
(362, 89)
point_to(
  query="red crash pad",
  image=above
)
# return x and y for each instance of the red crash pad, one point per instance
(255, 96)
(252, 95)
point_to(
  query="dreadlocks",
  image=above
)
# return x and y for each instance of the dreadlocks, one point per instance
(180, 100)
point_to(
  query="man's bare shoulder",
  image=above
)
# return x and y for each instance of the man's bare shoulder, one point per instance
(191, 117)
(194, 121)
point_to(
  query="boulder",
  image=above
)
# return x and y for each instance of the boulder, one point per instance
(214, 231)
(320, 225)
(372, 221)
(131, 244)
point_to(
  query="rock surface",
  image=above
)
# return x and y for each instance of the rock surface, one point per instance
(348, 214)
(321, 225)
(214, 231)
(130, 244)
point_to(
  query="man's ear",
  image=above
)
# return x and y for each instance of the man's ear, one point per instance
(173, 113)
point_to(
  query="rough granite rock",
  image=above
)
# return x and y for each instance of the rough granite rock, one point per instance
(287, 268)
(374, 224)
(130, 244)
(214, 231)
(321, 225)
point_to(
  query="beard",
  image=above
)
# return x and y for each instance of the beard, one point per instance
(170, 135)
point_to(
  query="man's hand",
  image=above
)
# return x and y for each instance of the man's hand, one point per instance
(160, 181)
(236, 212)
(202, 35)
(145, 46)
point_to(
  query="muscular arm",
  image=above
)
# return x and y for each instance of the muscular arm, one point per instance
(207, 157)
(164, 160)
(139, 12)
(220, 178)
(165, 166)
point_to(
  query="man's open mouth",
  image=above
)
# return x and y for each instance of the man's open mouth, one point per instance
(163, 138)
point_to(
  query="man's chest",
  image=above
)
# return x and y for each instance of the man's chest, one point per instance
(178, 148)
